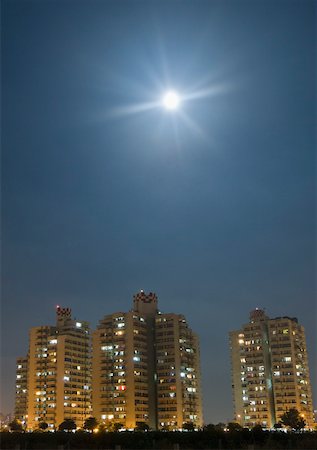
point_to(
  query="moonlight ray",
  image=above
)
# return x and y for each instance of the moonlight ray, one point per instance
(208, 92)
(172, 102)
(192, 125)
(133, 109)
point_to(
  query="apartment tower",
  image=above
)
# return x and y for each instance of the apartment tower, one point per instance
(146, 368)
(270, 372)
(178, 373)
(20, 408)
(59, 372)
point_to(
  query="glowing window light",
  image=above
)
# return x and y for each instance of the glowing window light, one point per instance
(106, 347)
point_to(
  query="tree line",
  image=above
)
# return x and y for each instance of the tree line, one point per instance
(290, 420)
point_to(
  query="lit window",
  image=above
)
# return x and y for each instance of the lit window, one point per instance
(106, 347)
(53, 341)
(78, 324)
(191, 389)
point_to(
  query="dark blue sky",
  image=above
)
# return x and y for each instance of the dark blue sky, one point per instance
(216, 215)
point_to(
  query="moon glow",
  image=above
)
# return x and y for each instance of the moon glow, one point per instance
(171, 100)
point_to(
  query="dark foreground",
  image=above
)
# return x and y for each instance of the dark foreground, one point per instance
(220, 440)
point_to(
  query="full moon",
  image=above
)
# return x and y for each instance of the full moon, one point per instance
(171, 100)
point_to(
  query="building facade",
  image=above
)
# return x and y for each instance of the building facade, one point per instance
(59, 373)
(21, 392)
(178, 372)
(146, 368)
(270, 372)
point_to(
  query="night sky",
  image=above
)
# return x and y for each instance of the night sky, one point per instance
(212, 206)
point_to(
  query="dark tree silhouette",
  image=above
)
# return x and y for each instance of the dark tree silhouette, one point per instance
(43, 425)
(15, 425)
(189, 426)
(117, 426)
(210, 427)
(220, 426)
(292, 419)
(234, 426)
(141, 426)
(257, 428)
(110, 425)
(91, 423)
(67, 425)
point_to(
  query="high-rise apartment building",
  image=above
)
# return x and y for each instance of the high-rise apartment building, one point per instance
(178, 372)
(20, 409)
(146, 368)
(59, 372)
(270, 372)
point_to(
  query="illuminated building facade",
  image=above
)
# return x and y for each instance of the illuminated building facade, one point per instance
(178, 373)
(291, 380)
(59, 372)
(140, 368)
(20, 409)
(270, 372)
(120, 374)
